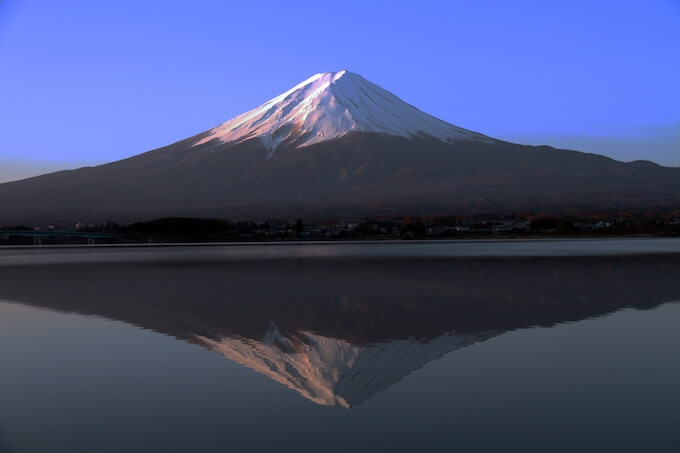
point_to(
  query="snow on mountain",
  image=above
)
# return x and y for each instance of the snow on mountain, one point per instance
(334, 372)
(330, 105)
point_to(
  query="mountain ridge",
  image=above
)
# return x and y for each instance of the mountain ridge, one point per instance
(341, 343)
(329, 105)
(316, 160)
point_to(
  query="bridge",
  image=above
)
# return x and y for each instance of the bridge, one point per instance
(39, 235)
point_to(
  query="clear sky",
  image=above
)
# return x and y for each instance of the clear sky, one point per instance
(90, 81)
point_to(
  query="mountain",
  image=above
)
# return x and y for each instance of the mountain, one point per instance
(338, 145)
(331, 371)
(331, 105)
(314, 327)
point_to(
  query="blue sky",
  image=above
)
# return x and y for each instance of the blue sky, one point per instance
(86, 82)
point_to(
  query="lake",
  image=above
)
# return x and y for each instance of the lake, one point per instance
(543, 345)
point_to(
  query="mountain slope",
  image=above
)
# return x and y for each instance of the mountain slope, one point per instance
(337, 145)
(301, 324)
(331, 105)
(332, 371)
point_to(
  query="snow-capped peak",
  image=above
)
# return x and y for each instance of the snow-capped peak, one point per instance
(333, 371)
(329, 105)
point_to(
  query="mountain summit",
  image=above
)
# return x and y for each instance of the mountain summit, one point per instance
(329, 105)
(337, 145)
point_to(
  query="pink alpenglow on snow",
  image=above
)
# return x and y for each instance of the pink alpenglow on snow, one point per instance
(329, 105)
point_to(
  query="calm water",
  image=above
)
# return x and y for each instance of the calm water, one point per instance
(457, 346)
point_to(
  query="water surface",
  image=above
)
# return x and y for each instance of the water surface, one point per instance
(319, 348)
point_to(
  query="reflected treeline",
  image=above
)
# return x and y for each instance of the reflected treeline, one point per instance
(339, 330)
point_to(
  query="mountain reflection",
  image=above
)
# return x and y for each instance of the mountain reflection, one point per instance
(339, 330)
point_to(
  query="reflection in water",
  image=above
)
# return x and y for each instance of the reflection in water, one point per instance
(340, 330)
(331, 371)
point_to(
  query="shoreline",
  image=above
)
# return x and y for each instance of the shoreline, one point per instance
(297, 242)
(345, 251)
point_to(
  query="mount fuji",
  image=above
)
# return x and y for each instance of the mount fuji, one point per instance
(328, 106)
(299, 322)
(338, 145)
